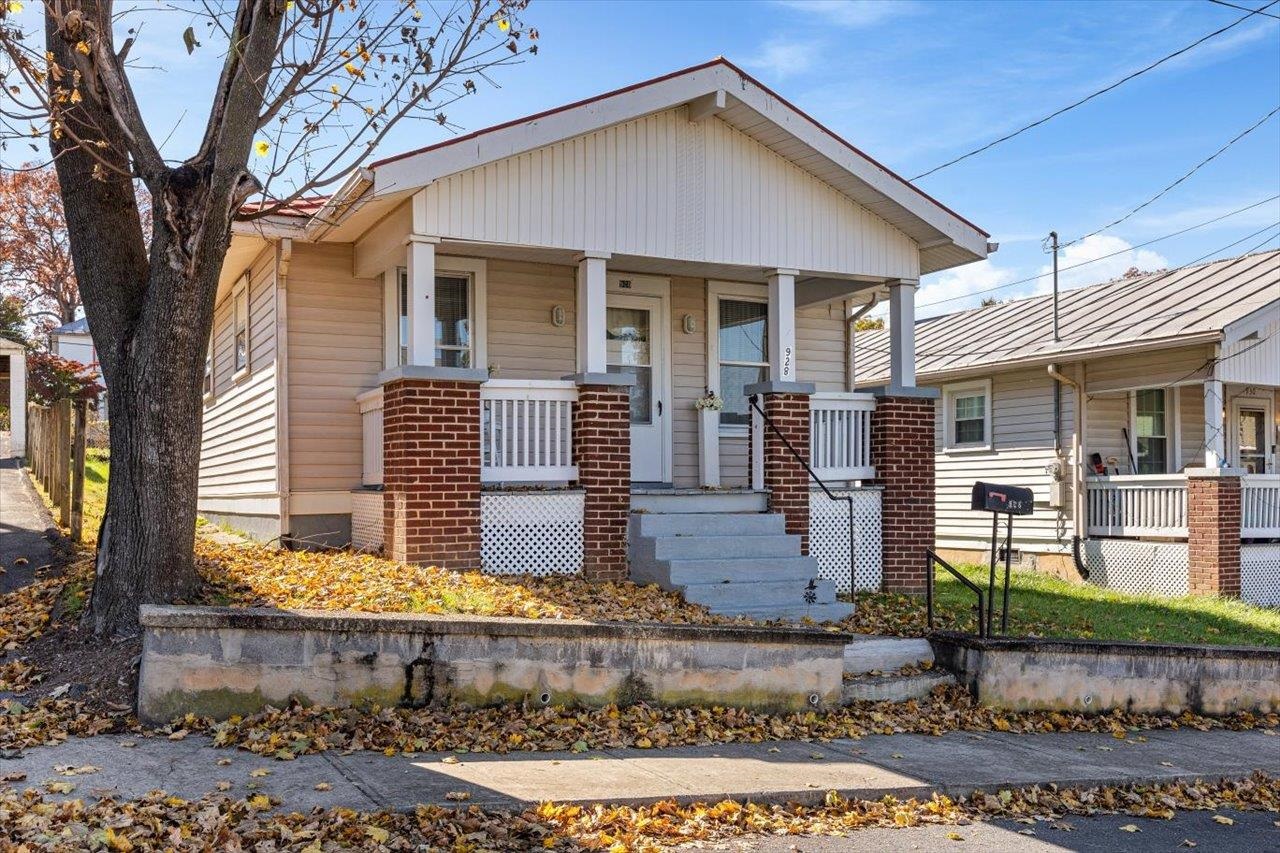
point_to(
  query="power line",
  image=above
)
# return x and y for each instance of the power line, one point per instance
(1096, 94)
(1245, 8)
(1104, 257)
(1194, 169)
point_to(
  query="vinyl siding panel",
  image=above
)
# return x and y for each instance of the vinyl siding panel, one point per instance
(335, 352)
(238, 439)
(1022, 447)
(664, 187)
(820, 346)
(523, 343)
(689, 376)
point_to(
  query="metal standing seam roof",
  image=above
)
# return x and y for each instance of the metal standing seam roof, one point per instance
(1196, 301)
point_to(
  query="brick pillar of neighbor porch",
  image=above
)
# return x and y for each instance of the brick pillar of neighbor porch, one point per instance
(786, 404)
(602, 451)
(431, 465)
(1213, 531)
(902, 435)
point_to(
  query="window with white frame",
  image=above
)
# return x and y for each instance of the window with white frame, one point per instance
(240, 323)
(742, 337)
(967, 416)
(1150, 430)
(455, 346)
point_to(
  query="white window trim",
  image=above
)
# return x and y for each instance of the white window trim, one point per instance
(211, 371)
(1172, 429)
(965, 389)
(737, 291)
(242, 289)
(474, 269)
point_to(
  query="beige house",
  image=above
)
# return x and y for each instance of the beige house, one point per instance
(691, 234)
(13, 393)
(1180, 374)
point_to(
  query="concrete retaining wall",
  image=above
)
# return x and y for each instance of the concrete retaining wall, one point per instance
(220, 661)
(1094, 677)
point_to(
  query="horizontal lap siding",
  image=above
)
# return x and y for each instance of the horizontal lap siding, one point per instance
(689, 375)
(820, 346)
(238, 439)
(335, 352)
(1022, 447)
(523, 343)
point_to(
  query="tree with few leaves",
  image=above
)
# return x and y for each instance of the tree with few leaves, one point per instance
(35, 252)
(307, 89)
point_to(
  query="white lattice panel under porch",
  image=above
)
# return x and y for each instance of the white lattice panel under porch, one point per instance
(829, 538)
(1146, 568)
(1260, 574)
(366, 520)
(536, 533)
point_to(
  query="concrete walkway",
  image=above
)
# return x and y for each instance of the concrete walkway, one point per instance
(23, 521)
(903, 765)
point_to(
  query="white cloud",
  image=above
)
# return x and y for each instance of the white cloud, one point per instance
(784, 57)
(850, 14)
(1089, 251)
(970, 280)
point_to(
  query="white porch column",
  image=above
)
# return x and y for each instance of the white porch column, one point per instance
(591, 318)
(1214, 428)
(782, 325)
(902, 333)
(421, 269)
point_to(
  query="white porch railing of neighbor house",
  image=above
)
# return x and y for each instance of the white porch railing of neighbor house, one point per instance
(840, 435)
(1137, 505)
(1260, 506)
(526, 430)
(370, 404)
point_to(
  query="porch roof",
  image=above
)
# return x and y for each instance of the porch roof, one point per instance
(1202, 303)
(717, 88)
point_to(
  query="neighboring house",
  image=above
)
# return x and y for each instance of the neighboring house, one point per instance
(13, 393)
(73, 341)
(1181, 373)
(487, 351)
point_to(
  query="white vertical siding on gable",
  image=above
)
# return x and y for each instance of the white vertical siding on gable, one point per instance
(663, 187)
(1253, 360)
(238, 440)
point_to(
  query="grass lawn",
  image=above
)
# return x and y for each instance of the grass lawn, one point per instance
(1045, 606)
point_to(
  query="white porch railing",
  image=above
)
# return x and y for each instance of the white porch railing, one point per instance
(370, 403)
(1137, 505)
(526, 430)
(1260, 506)
(840, 435)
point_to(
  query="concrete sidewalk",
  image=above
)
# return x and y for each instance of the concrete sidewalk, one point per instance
(903, 765)
(23, 521)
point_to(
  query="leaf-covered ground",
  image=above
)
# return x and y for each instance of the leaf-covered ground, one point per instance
(31, 819)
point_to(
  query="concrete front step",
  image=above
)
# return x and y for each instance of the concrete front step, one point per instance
(672, 574)
(885, 654)
(715, 547)
(722, 597)
(893, 688)
(829, 612)
(703, 524)
(698, 501)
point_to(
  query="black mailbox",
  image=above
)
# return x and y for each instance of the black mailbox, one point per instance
(994, 497)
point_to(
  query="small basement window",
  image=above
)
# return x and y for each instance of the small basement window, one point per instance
(967, 416)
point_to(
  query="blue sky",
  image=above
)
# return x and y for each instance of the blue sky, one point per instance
(916, 83)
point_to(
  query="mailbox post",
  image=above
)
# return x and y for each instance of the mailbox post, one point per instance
(1010, 501)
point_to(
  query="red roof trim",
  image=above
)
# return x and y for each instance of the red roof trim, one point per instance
(717, 61)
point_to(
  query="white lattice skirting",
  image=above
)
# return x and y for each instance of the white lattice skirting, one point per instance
(829, 538)
(366, 520)
(1149, 568)
(536, 533)
(1260, 574)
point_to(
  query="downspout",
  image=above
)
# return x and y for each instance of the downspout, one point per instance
(284, 254)
(851, 320)
(1077, 468)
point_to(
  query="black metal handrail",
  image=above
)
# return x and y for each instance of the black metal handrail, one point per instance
(848, 499)
(932, 559)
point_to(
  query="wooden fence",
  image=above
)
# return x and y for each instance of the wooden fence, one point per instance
(55, 453)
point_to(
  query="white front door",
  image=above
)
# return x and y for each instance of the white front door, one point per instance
(1249, 435)
(638, 344)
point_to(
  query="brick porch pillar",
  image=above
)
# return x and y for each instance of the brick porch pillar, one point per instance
(902, 434)
(787, 405)
(602, 450)
(1213, 531)
(431, 465)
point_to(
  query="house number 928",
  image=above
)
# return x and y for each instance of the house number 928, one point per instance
(786, 362)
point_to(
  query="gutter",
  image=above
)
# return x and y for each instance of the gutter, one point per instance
(332, 211)
(1077, 468)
